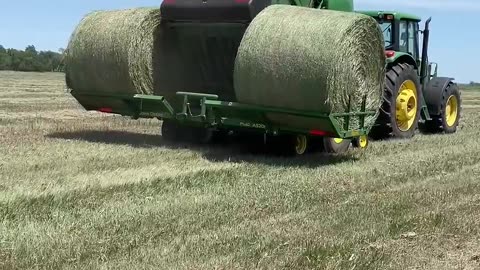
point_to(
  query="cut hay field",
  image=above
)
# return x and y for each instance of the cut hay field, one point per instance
(84, 190)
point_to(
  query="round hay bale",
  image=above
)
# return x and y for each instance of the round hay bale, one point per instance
(311, 60)
(110, 52)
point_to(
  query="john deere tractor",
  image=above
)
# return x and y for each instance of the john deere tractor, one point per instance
(414, 95)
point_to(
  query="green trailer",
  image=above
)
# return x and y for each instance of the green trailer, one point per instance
(414, 96)
(203, 116)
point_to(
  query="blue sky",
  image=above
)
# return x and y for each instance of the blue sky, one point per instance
(455, 36)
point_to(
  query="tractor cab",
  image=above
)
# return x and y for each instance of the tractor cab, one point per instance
(401, 34)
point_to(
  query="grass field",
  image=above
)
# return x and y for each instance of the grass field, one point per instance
(85, 190)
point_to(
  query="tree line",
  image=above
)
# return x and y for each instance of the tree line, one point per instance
(30, 60)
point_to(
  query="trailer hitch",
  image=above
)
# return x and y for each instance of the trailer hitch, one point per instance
(187, 112)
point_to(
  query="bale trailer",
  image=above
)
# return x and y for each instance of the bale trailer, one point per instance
(414, 96)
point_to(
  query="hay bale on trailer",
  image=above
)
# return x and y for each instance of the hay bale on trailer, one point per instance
(111, 53)
(312, 60)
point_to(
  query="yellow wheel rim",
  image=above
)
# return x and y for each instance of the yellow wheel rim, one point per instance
(338, 140)
(407, 105)
(363, 141)
(451, 111)
(300, 144)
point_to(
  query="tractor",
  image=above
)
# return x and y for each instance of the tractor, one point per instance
(414, 96)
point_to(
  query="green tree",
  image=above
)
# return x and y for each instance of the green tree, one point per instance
(30, 59)
(5, 60)
(31, 50)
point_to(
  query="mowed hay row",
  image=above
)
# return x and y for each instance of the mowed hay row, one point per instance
(31, 82)
(110, 52)
(470, 99)
(313, 60)
(92, 191)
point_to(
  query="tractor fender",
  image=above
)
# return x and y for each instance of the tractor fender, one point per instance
(401, 57)
(433, 93)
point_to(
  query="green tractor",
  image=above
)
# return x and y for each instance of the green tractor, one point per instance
(414, 97)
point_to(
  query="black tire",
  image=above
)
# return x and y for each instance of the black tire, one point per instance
(386, 125)
(171, 131)
(439, 123)
(174, 132)
(221, 136)
(200, 135)
(332, 147)
(287, 145)
(361, 142)
(251, 142)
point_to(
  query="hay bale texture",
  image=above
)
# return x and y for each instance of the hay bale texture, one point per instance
(110, 52)
(312, 60)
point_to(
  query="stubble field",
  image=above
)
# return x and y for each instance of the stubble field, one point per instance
(85, 190)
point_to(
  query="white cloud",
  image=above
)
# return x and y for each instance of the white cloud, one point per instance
(456, 5)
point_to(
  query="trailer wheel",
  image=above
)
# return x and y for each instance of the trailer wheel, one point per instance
(289, 145)
(170, 131)
(200, 135)
(361, 142)
(336, 145)
(300, 144)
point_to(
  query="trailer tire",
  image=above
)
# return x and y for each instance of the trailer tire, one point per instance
(335, 145)
(288, 145)
(170, 131)
(200, 135)
(361, 142)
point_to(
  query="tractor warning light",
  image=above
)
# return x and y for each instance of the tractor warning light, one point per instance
(389, 54)
(105, 110)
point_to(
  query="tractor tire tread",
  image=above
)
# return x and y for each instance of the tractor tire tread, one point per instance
(438, 122)
(385, 120)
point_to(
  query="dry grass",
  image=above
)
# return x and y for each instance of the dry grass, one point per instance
(84, 190)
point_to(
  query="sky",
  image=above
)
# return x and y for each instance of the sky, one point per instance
(454, 41)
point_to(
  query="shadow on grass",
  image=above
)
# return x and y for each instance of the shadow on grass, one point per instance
(235, 149)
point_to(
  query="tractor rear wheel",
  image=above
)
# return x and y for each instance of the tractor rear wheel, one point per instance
(400, 111)
(450, 111)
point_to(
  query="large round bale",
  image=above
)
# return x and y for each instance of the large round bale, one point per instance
(311, 60)
(110, 53)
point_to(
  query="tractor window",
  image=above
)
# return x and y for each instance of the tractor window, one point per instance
(415, 36)
(411, 38)
(403, 36)
(386, 27)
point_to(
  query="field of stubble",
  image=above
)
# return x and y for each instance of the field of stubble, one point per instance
(85, 190)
